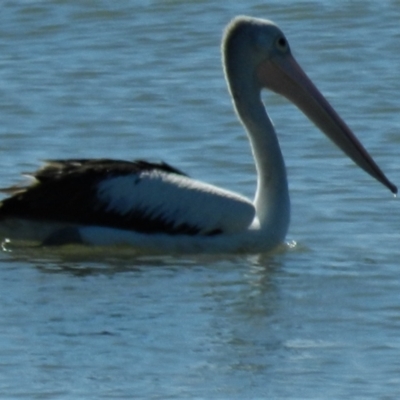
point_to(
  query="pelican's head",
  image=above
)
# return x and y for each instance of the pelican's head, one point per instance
(256, 55)
(249, 42)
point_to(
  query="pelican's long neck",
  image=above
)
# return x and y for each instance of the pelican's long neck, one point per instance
(272, 196)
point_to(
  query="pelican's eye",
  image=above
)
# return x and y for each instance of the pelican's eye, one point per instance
(282, 44)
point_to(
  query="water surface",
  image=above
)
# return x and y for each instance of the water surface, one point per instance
(134, 79)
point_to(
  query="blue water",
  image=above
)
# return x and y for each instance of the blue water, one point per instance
(143, 79)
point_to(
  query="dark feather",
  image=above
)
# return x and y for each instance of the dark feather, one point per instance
(104, 167)
(66, 191)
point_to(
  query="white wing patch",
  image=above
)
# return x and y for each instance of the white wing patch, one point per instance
(178, 200)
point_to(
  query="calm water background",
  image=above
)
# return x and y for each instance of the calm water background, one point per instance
(132, 79)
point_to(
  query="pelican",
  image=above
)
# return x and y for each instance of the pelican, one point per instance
(156, 207)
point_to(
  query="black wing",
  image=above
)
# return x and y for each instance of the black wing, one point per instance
(66, 191)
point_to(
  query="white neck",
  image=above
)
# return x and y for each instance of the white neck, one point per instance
(272, 196)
